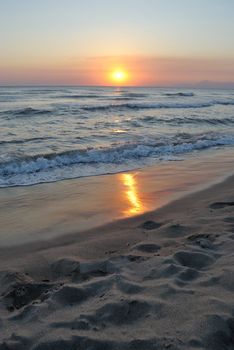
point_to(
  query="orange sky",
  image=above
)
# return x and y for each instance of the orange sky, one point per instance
(157, 42)
(141, 71)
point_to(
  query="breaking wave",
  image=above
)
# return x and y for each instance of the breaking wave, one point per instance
(72, 164)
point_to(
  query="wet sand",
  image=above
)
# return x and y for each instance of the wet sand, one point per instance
(161, 280)
(76, 205)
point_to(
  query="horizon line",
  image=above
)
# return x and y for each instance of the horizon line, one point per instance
(221, 85)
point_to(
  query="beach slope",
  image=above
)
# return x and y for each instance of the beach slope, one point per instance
(163, 280)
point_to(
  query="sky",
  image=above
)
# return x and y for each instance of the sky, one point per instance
(82, 42)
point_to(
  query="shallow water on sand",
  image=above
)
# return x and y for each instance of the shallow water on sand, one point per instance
(45, 211)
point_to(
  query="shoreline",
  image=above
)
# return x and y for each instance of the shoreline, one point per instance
(128, 223)
(78, 205)
(160, 280)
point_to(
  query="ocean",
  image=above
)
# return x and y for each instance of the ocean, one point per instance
(54, 133)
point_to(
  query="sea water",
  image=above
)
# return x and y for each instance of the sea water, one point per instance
(54, 133)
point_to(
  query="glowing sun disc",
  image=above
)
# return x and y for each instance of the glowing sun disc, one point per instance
(119, 76)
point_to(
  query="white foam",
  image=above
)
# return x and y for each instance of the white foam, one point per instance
(99, 161)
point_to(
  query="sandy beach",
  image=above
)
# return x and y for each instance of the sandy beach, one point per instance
(160, 280)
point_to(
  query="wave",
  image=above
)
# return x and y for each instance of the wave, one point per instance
(32, 139)
(175, 121)
(121, 98)
(138, 106)
(133, 94)
(78, 96)
(182, 94)
(114, 155)
(29, 111)
(25, 112)
(42, 90)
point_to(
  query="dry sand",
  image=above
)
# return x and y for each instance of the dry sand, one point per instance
(163, 280)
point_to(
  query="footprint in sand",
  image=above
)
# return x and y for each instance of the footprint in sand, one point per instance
(229, 220)
(147, 247)
(204, 240)
(220, 205)
(150, 225)
(193, 260)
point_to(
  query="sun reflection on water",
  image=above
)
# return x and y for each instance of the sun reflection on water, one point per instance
(131, 194)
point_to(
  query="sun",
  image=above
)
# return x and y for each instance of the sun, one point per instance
(119, 76)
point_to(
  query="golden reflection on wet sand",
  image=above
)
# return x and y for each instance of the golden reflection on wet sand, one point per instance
(131, 194)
